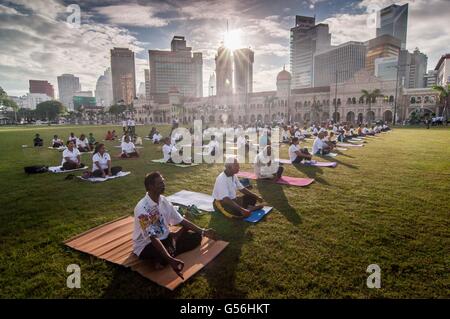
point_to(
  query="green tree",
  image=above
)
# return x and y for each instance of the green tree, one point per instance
(6, 101)
(444, 96)
(116, 110)
(371, 97)
(49, 110)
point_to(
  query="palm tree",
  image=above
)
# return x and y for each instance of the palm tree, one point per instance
(444, 96)
(371, 97)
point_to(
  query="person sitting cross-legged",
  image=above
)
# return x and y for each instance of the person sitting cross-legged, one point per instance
(152, 237)
(71, 157)
(57, 142)
(225, 199)
(83, 144)
(101, 163)
(297, 154)
(92, 142)
(319, 146)
(128, 149)
(38, 141)
(265, 165)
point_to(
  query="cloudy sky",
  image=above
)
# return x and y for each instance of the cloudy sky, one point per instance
(38, 43)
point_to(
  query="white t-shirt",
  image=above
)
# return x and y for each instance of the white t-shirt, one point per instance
(83, 143)
(58, 140)
(127, 147)
(167, 149)
(153, 219)
(156, 137)
(74, 139)
(226, 186)
(102, 161)
(132, 123)
(262, 167)
(365, 130)
(298, 134)
(292, 149)
(72, 155)
(124, 123)
(317, 145)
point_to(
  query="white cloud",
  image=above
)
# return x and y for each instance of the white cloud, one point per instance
(132, 15)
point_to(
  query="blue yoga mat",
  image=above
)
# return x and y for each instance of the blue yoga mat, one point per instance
(257, 215)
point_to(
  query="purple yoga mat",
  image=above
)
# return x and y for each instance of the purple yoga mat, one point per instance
(285, 180)
(317, 164)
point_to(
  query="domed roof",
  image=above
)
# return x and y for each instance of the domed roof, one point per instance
(284, 75)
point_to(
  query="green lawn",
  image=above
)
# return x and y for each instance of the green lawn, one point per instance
(387, 204)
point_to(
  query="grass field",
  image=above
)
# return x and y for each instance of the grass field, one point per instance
(387, 204)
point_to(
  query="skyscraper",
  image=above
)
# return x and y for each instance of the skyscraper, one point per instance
(418, 70)
(243, 70)
(68, 84)
(339, 63)
(43, 87)
(224, 71)
(306, 39)
(178, 68)
(123, 75)
(147, 84)
(394, 22)
(381, 47)
(103, 89)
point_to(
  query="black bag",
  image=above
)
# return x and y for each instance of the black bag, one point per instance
(36, 169)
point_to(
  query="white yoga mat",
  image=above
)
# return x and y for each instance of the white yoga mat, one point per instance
(186, 198)
(58, 169)
(101, 179)
(61, 148)
(137, 147)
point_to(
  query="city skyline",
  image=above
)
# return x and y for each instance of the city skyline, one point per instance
(49, 48)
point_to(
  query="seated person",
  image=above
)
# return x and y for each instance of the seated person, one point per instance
(213, 146)
(128, 149)
(225, 199)
(152, 238)
(167, 150)
(298, 134)
(319, 146)
(296, 154)
(109, 136)
(38, 141)
(156, 137)
(114, 135)
(137, 140)
(101, 163)
(328, 138)
(71, 157)
(265, 165)
(83, 144)
(152, 132)
(285, 136)
(125, 136)
(92, 142)
(57, 142)
(360, 131)
(72, 138)
(305, 132)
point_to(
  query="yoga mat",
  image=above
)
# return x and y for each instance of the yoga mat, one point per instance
(137, 147)
(113, 242)
(58, 169)
(119, 156)
(161, 161)
(62, 148)
(186, 198)
(314, 163)
(257, 215)
(101, 179)
(284, 180)
(341, 149)
(349, 145)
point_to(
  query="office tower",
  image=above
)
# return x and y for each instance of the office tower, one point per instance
(43, 87)
(430, 79)
(418, 69)
(381, 47)
(306, 40)
(123, 75)
(443, 70)
(68, 84)
(386, 68)
(103, 89)
(339, 63)
(224, 71)
(147, 84)
(243, 70)
(394, 22)
(178, 68)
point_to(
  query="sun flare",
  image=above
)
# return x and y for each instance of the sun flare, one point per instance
(233, 40)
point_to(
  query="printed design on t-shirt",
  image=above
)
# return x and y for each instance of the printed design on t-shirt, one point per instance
(152, 222)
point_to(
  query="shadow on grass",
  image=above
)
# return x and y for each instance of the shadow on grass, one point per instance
(274, 195)
(312, 172)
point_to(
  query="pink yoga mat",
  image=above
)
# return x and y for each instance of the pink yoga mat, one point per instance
(284, 180)
(317, 164)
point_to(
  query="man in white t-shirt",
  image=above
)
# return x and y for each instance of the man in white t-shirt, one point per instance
(266, 166)
(167, 150)
(83, 144)
(226, 200)
(156, 138)
(297, 154)
(152, 236)
(128, 149)
(71, 157)
(319, 146)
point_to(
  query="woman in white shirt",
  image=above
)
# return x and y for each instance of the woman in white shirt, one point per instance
(128, 149)
(83, 144)
(57, 142)
(101, 163)
(156, 138)
(71, 157)
(296, 154)
(265, 165)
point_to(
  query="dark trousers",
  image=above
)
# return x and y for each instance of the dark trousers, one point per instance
(84, 149)
(70, 165)
(114, 171)
(299, 159)
(56, 145)
(177, 243)
(134, 154)
(244, 201)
